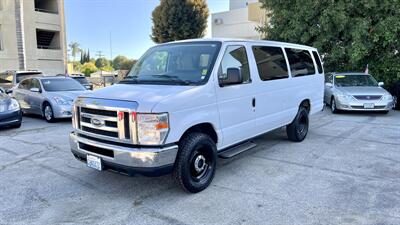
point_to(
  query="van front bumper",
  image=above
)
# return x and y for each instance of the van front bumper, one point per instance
(155, 161)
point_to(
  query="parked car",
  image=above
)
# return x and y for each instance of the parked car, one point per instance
(185, 103)
(356, 92)
(10, 112)
(395, 91)
(10, 79)
(50, 97)
(84, 81)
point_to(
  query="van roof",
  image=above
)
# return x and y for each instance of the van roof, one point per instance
(263, 42)
(349, 73)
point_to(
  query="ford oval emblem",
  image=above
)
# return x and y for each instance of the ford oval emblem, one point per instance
(97, 122)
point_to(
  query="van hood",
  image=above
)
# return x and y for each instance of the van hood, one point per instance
(147, 96)
(362, 90)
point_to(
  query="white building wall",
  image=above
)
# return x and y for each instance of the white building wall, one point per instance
(238, 4)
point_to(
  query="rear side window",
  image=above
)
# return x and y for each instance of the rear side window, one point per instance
(300, 61)
(318, 61)
(271, 63)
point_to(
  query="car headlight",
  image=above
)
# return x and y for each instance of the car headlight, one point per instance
(344, 97)
(388, 97)
(14, 105)
(62, 101)
(152, 128)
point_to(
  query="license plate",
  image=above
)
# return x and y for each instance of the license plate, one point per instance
(94, 162)
(369, 105)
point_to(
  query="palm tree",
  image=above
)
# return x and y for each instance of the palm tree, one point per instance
(74, 49)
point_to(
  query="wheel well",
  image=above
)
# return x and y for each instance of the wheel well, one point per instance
(44, 104)
(306, 104)
(205, 128)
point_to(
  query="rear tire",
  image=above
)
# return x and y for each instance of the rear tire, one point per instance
(196, 162)
(48, 113)
(298, 129)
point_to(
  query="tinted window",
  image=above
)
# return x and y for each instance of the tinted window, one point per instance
(81, 80)
(63, 84)
(21, 76)
(271, 63)
(25, 84)
(318, 61)
(300, 62)
(35, 84)
(235, 57)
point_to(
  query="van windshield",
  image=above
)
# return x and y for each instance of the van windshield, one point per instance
(177, 64)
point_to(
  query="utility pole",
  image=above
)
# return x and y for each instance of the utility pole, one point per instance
(111, 56)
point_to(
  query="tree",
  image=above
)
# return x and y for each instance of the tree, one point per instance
(74, 46)
(102, 62)
(348, 34)
(83, 56)
(128, 64)
(178, 20)
(88, 68)
(119, 61)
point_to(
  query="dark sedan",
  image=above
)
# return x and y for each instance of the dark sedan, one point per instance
(10, 111)
(395, 91)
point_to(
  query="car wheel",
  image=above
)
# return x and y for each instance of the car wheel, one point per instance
(333, 106)
(48, 113)
(196, 162)
(298, 129)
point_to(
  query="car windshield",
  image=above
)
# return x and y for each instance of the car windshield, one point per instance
(22, 76)
(81, 80)
(63, 84)
(355, 81)
(178, 64)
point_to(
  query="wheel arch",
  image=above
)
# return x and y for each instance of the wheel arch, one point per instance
(306, 103)
(206, 128)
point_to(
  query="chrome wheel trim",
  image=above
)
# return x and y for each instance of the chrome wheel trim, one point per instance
(48, 112)
(333, 105)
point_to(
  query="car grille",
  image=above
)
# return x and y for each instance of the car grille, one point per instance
(367, 97)
(362, 107)
(104, 123)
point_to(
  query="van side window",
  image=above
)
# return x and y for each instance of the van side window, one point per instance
(318, 61)
(300, 61)
(236, 57)
(271, 63)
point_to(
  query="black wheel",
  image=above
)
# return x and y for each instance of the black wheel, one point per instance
(48, 113)
(196, 161)
(333, 106)
(298, 129)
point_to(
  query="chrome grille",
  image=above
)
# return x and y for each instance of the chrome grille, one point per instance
(367, 97)
(104, 123)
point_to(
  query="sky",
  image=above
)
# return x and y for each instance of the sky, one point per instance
(90, 22)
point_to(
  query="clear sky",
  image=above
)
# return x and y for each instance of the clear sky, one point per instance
(89, 22)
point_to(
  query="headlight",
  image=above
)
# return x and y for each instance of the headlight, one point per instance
(152, 128)
(388, 97)
(344, 97)
(14, 105)
(62, 101)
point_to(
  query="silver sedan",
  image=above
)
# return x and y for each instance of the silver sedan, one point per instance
(50, 97)
(356, 92)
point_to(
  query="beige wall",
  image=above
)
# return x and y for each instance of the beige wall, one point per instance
(50, 61)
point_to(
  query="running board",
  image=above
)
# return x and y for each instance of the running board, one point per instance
(231, 152)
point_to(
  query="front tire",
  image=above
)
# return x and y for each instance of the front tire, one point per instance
(196, 162)
(333, 106)
(298, 129)
(48, 113)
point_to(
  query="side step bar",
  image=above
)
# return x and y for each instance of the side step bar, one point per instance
(231, 152)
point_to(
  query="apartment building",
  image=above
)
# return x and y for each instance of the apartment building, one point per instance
(32, 36)
(240, 21)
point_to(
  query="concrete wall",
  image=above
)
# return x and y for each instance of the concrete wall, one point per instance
(50, 61)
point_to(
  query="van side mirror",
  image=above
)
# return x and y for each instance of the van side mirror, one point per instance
(34, 90)
(9, 91)
(233, 76)
(329, 85)
(380, 84)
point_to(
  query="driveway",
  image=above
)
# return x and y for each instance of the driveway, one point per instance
(347, 171)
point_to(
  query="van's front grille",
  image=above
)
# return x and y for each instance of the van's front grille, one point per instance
(112, 124)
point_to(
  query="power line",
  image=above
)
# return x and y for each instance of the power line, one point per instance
(99, 54)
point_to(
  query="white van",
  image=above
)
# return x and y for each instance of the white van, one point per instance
(186, 103)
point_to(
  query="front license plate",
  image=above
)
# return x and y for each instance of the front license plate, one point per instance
(369, 105)
(94, 162)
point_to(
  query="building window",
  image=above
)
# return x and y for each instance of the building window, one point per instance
(47, 39)
(300, 61)
(47, 6)
(271, 63)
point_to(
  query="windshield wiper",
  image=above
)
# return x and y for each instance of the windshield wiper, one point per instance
(173, 78)
(129, 80)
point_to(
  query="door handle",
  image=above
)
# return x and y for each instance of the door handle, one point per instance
(253, 102)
